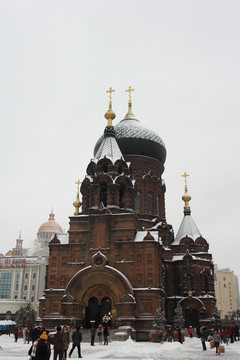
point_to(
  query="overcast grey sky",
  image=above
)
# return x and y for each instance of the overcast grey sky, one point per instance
(57, 60)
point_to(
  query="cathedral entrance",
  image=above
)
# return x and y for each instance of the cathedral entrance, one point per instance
(96, 310)
(191, 318)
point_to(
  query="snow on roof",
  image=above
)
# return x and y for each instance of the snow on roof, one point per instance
(140, 235)
(180, 257)
(7, 322)
(63, 238)
(187, 228)
(109, 148)
(156, 225)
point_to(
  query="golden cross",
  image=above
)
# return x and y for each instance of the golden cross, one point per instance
(185, 176)
(129, 90)
(110, 91)
(78, 183)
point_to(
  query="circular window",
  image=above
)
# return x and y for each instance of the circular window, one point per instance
(98, 261)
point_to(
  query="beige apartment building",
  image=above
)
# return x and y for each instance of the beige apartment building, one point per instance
(226, 291)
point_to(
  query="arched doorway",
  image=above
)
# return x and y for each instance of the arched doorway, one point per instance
(191, 318)
(96, 310)
(92, 311)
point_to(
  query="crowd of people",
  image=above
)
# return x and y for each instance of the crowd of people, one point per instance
(42, 340)
(216, 337)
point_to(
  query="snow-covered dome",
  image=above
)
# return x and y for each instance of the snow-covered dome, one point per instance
(50, 225)
(135, 139)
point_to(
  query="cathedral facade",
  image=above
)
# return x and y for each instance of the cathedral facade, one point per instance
(121, 256)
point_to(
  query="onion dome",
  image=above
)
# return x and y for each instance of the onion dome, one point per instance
(50, 225)
(77, 203)
(188, 226)
(134, 138)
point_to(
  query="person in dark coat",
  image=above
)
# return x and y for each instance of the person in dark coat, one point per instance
(58, 344)
(204, 337)
(76, 341)
(66, 339)
(42, 350)
(93, 332)
(179, 334)
(16, 333)
(35, 333)
(105, 335)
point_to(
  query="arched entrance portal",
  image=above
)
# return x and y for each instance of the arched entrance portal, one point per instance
(96, 310)
(191, 318)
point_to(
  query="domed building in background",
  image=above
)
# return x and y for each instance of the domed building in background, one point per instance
(45, 233)
(121, 255)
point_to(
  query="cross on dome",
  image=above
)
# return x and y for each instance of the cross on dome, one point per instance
(185, 175)
(129, 90)
(110, 91)
(78, 183)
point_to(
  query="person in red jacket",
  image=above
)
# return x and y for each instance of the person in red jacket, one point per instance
(190, 331)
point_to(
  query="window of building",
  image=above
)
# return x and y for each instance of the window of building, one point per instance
(103, 193)
(187, 262)
(64, 261)
(138, 202)
(5, 285)
(17, 281)
(149, 259)
(205, 283)
(34, 275)
(25, 287)
(158, 205)
(26, 276)
(63, 281)
(33, 287)
(189, 282)
(149, 279)
(122, 192)
(139, 279)
(105, 168)
(32, 299)
(150, 203)
(139, 260)
(8, 315)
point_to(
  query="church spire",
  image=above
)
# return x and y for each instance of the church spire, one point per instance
(186, 197)
(51, 215)
(129, 90)
(77, 203)
(110, 115)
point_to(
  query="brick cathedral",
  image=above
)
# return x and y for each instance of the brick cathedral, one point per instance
(121, 255)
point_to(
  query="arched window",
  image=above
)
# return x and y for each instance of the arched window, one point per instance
(103, 193)
(205, 283)
(122, 192)
(105, 168)
(120, 169)
(138, 202)
(8, 315)
(158, 205)
(150, 203)
(189, 282)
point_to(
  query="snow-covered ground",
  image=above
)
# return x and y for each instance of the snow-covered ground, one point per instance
(130, 350)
